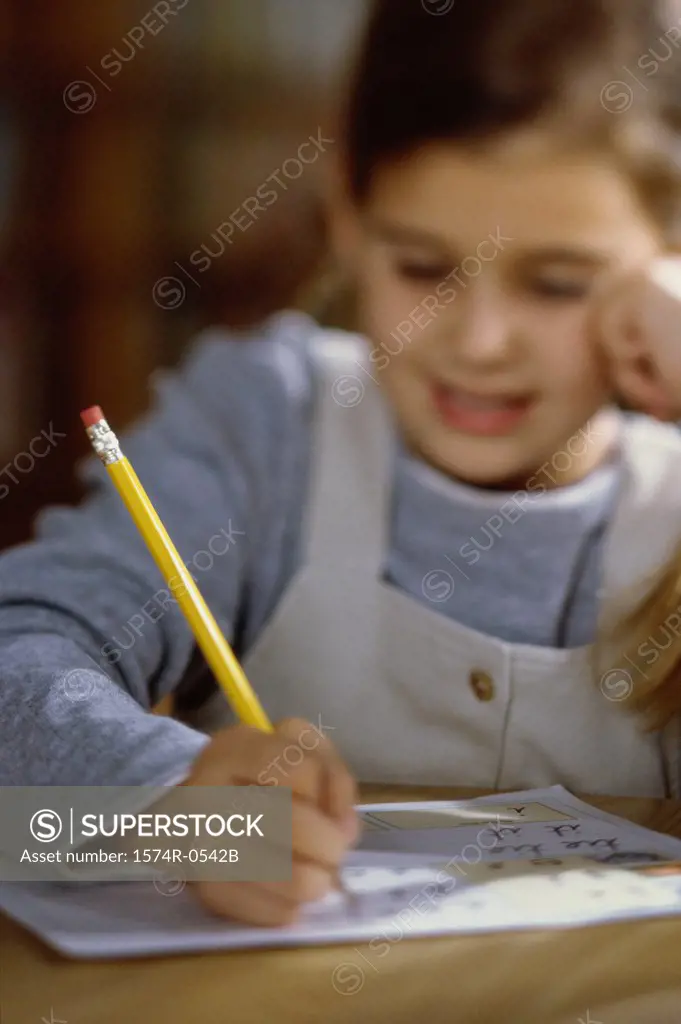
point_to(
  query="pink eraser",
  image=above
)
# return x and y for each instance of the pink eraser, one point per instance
(91, 416)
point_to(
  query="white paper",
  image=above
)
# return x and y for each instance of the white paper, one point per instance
(491, 867)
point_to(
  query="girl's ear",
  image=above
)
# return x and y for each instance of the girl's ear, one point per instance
(331, 297)
(342, 215)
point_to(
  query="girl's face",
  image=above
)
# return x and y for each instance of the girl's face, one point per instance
(476, 274)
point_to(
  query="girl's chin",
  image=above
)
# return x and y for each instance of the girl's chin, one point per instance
(472, 464)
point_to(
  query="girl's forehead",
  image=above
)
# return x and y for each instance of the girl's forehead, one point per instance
(460, 196)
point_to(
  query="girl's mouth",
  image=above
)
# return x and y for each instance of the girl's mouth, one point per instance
(480, 415)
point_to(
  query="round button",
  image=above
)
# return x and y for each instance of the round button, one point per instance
(482, 685)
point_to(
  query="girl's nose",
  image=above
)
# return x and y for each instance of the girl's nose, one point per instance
(485, 329)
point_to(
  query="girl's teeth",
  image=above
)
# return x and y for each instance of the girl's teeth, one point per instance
(477, 414)
(480, 404)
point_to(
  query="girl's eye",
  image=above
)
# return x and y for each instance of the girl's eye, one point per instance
(555, 288)
(422, 272)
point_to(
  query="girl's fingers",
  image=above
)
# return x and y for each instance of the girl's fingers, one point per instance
(340, 798)
(316, 837)
(638, 385)
(239, 753)
(248, 902)
(296, 756)
(299, 756)
(337, 790)
(617, 318)
(308, 882)
(632, 318)
(323, 823)
(268, 903)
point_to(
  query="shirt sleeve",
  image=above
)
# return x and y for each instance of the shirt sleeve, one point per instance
(90, 635)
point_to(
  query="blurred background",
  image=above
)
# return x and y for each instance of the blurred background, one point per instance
(132, 136)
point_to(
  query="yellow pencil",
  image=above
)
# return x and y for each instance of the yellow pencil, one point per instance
(215, 649)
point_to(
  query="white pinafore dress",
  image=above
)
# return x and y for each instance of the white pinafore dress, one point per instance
(410, 696)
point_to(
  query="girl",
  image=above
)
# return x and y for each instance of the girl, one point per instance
(445, 551)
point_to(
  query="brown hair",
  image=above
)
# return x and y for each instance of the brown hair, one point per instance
(648, 671)
(602, 74)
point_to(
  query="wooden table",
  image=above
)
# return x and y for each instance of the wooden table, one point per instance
(615, 974)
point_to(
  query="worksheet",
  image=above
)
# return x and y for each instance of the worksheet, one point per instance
(533, 859)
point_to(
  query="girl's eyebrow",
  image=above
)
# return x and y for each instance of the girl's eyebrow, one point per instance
(396, 233)
(579, 256)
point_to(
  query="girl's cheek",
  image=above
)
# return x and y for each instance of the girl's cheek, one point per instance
(388, 311)
(562, 338)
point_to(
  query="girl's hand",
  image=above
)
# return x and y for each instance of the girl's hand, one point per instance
(324, 821)
(639, 326)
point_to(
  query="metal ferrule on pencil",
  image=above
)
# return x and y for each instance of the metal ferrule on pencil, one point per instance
(105, 442)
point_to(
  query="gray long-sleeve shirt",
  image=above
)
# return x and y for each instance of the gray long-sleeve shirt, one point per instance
(90, 637)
